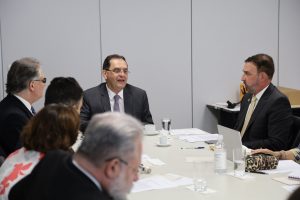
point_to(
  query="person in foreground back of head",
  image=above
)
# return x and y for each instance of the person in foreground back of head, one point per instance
(295, 195)
(104, 167)
(54, 127)
(67, 91)
(265, 117)
(64, 90)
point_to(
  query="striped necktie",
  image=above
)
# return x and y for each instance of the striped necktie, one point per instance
(116, 103)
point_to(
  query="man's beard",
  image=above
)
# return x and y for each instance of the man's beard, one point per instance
(118, 189)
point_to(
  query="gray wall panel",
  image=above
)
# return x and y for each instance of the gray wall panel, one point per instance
(225, 33)
(154, 36)
(289, 43)
(181, 70)
(63, 35)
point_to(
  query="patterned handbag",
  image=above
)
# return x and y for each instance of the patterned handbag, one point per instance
(259, 161)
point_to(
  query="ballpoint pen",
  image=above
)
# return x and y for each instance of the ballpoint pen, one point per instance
(192, 147)
(258, 172)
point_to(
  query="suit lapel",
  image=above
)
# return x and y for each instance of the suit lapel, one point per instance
(19, 104)
(128, 101)
(104, 98)
(261, 104)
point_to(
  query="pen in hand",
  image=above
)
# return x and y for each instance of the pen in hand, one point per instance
(192, 147)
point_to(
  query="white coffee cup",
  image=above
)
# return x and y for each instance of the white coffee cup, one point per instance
(163, 140)
(150, 128)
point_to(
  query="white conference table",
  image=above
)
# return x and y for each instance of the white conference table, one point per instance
(226, 186)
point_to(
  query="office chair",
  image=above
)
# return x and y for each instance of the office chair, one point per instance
(295, 131)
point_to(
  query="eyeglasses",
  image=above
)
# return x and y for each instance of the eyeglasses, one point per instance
(135, 170)
(118, 70)
(44, 80)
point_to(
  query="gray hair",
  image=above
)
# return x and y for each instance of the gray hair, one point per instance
(21, 72)
(110, 135)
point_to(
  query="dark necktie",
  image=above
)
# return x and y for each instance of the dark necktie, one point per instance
(116, 104)
(32, 110)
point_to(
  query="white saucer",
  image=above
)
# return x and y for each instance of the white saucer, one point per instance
(151, 133)
(163, 145)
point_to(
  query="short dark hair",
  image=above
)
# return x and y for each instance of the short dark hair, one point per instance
(21, 72)
(65, 90)
(106, 63)
(263, 63)
(56, 126)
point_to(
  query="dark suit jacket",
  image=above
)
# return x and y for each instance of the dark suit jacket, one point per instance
(56, 177)
(270, 123)
(96, 100)
(13, 116)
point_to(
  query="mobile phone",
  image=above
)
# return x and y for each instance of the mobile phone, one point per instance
(211, 141)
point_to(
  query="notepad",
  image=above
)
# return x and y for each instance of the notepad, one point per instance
(295, 175)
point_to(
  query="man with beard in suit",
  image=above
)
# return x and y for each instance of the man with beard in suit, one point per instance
(265, 117)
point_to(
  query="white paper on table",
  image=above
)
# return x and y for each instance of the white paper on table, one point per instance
(245, 177)
(189, 131)
(283, 167)
(160, 182)
(199, 138)
(153, 161)
(290, 188)
(178, 180)
(207, 191)
(286, 180)
(156, 161)
(199, 159)
(224, 106)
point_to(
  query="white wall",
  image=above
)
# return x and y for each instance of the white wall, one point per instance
(289, 44)
(154, 36)
(185, 54)
(225, 33)
(63, 35)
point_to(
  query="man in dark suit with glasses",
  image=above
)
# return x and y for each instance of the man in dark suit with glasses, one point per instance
(115, 94)
(25, 85)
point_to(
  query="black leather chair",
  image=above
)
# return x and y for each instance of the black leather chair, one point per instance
(295, 131)
(2, 156)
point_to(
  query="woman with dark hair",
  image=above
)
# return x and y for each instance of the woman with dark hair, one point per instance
(54, 127)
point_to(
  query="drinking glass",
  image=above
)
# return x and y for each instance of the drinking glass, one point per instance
(199, 182)
(166, 124)
(239, 162)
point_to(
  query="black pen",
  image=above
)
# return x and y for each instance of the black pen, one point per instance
(192, 147)
(258, 172)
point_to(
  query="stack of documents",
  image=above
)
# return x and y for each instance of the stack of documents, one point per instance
(193, 135)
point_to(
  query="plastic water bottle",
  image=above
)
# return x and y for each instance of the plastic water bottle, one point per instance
(220, 156)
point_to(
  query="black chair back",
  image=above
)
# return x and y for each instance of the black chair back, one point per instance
(295, 131)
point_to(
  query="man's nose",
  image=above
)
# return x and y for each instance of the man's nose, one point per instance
(243, 77)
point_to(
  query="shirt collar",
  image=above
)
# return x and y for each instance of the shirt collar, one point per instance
(26, 103)
(111, 94)
(259, 95)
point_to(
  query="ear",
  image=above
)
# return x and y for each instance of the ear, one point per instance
(104, 74)
(31, 85)
(112, 169)
(263, 76)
